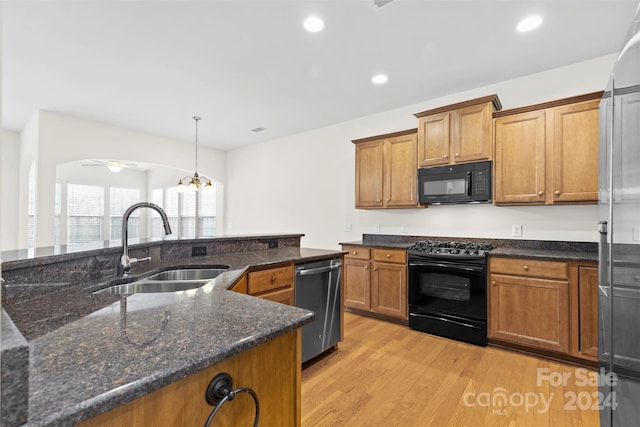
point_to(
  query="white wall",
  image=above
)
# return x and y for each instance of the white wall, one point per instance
(305, 182)
(9, 156)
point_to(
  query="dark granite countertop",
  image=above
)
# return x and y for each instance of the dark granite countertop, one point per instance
(92, 353)
(542, 249)
(548, 254)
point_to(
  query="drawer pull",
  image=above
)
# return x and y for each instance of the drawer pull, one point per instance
(273, 278)
(526, 268)
(354, 253)
(388, 255)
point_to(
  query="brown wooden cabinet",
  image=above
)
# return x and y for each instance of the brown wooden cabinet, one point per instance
(375, 281)
(272, 370)
(457, 133)
(386, 171)
(588, 311)
(544, 305)
(547, 153)
(529, 302)
(275, 284)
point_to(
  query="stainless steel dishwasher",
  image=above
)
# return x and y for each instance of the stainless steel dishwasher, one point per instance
(317, 288)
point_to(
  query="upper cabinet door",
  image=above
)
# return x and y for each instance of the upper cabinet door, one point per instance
(369, 174)
(400, 171)
(575, 152)
(457, 133)
(520, 158)
(433, 140)
(471, 133)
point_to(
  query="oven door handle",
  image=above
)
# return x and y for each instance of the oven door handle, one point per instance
(442, 265)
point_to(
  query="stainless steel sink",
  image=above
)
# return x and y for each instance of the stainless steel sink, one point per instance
(167, 281)
(188, 274)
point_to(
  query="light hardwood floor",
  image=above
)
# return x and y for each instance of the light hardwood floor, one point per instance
(385, 374)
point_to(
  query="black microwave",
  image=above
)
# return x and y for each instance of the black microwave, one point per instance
(464, 183)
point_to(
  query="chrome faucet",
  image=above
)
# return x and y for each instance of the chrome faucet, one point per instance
(124, 267)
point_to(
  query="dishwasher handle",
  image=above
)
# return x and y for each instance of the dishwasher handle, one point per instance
(319, 270)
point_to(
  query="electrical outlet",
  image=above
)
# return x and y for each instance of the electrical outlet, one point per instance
(348, 228)
(229, 226)
(378, 228)
(635, 234)
(198, 251)
(516, 230)
(405, 228)
(273, 244)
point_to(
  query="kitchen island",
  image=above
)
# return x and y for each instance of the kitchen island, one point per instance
(90, 354)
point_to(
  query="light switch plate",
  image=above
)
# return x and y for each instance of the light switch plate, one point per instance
(348, 228)
(378, 228)
(516, 230)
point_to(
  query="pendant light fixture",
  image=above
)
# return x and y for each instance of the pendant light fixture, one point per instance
(195, 181)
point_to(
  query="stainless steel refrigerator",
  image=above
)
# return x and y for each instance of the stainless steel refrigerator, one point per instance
(619, 214)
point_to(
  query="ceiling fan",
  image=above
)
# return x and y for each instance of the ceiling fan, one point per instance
(113, 165)
(381, 3)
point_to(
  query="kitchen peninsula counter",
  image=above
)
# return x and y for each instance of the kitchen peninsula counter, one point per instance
(92, 353)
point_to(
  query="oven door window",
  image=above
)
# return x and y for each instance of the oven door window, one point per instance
(448, 290)
(447, 286)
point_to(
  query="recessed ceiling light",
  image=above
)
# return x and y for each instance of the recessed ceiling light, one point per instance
(529, 23)
(313, 24)
(379, 79)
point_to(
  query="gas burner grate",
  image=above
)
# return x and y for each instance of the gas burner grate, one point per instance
(460, 248)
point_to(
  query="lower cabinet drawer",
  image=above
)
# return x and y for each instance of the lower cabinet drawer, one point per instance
(530, 267)
(274, 278)
(390, 255)
(283, 296)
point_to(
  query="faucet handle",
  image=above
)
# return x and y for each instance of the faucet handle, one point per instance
(134, 260)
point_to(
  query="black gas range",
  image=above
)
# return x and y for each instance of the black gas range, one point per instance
(448, 289)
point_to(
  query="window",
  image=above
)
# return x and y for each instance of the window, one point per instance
(171, 209)
(184, 211)
(85, 212)
(156, 221)
(119, 200)
(207, 213)
(187, 221)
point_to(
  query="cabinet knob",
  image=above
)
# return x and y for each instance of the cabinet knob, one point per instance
(557, 192)
(366, 267)
(388, 255)
(540, 193)
(354, 253)
(457, 154)
(493, 283)
(273, 278)
(526, 268)
(446, 156)
(388, 200)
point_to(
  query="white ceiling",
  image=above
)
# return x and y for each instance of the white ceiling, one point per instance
(152, 65)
